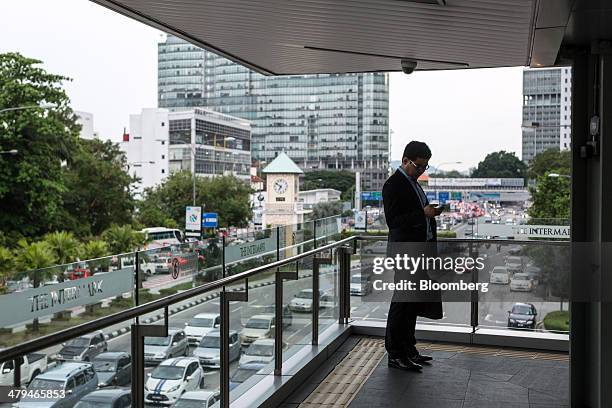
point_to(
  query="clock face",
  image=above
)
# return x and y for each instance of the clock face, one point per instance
(280, 186)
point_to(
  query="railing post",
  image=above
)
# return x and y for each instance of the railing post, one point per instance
(137, 281)
(278, 316)
(316, 262)
(344, 262)
(226, 298)
(474, 293)
(17, 371)
(138, 333)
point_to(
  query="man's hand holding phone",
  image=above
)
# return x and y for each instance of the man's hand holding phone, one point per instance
(432, 210)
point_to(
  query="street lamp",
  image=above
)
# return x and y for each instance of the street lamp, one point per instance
(139, 163)
(43, 106)
(557, 175)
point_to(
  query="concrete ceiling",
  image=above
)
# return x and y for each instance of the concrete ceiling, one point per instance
(336, 36)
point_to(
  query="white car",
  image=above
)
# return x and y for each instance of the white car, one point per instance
(260, 351)
(302, 302)
(198, 399)
(360, 285)
(200, 326)
(171, 379)
(521, 282)
(500, 275)
(257, 327)
(209, 349)
(514, 264)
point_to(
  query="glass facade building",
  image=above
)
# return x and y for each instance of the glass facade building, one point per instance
(221, 144)
(546, 110)
(333, 121)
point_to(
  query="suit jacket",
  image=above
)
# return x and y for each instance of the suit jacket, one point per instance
(408, 233)
(403, 211)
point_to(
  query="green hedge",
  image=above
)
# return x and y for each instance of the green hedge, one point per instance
(557, 321)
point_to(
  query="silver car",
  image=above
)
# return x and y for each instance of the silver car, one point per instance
(209, 349)
(158, 349)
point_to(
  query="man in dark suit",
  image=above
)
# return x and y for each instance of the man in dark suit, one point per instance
(411, 220)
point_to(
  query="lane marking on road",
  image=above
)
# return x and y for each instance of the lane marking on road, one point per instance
(298, 331)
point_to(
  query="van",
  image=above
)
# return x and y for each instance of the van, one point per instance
(68, 384)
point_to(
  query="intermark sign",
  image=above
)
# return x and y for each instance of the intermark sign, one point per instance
(46, 300)
(542, 231)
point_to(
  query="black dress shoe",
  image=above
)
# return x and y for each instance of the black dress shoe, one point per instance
(420, 359)
(404, 363)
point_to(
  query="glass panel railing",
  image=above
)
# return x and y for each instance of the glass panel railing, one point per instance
(90, 364)
(512, 226)
(47, 300)
(529, 286)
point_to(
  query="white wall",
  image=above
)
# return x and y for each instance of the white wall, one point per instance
(85, 119)
(148, 142)
(566, 108)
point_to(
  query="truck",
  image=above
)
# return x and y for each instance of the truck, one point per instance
(31, 365)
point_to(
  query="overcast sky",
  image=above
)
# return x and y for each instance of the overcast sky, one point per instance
(112, 60)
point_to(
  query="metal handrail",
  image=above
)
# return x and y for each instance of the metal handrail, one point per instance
(471, 240)
(136, 311)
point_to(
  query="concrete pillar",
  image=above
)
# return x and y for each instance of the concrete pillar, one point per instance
(591, 321)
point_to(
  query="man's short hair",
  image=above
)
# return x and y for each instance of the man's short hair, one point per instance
(415, 150)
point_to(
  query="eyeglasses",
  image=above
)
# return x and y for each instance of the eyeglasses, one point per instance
(417, 166)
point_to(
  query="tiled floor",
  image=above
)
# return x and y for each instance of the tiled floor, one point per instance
(472, 378)
(461, 377)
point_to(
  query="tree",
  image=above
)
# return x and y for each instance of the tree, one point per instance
(95, 248)
(165, 203)
(551, 198)
(97, 192)
(31, 181)
(500, 164)
(122, 239)
(34, 260)
(339, 180)
(7, 267)
(94, 251)
(551, 160)
(63, 245)
(324, 210)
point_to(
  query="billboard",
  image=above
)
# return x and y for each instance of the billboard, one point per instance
(360, 220)
(193, 218)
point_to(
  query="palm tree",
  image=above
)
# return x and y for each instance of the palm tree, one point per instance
(122, 239)
(7, 267)
(34, 261)
(64, 247)
(95, 249)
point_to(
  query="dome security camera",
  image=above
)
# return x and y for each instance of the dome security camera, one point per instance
(408, 66)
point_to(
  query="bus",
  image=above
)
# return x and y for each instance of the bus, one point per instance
(160, 236)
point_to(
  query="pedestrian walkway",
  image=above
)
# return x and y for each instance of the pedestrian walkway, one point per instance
(461, 376)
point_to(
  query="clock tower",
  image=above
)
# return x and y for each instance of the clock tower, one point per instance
(282, 188)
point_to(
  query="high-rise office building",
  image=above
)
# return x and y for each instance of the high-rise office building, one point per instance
(547, 96)
(335, 121)
(161, 142)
